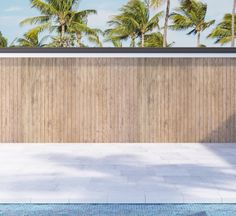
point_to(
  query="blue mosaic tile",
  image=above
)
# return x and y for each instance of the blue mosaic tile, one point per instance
(117, 209)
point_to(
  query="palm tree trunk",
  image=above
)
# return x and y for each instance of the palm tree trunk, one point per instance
(142, 39)
(198, 39)
(233, 25)
(132, 44)
(62, 35)
(79, 39)
(166, 23)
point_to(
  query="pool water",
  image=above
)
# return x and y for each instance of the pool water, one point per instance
(118, 209)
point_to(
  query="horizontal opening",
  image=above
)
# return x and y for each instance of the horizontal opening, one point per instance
(119, 52)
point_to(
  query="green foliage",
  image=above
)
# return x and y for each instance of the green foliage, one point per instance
(62, 24)
(133, 22)
(157, 3)
(3, 41)
(222, 33)
(155, 40)
(191, 14)
(62, 17)
(78, 25)
(31, 39)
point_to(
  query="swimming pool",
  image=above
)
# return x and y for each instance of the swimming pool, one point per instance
(118, 209)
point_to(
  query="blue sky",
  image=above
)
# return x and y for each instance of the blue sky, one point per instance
(13, 11)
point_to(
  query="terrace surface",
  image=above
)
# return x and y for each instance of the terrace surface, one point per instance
(118, 173)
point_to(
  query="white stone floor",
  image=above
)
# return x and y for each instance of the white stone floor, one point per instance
(118, 173)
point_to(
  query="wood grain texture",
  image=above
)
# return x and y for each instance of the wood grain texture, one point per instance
(117, 100)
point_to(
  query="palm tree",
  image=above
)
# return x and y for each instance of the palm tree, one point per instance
(56, 41)
(154, 40)
(222, 33)
(78, 25)
(115, 41)
(57, 15)
(133, 21)
(3, 41)
(31, 39)
(191, 14)
(122, 30)
(158, 3)
(233, 25)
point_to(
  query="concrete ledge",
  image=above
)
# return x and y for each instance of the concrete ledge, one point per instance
(117, 55)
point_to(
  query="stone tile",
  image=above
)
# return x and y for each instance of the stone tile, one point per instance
(199, 195)
(118, 172)
(229, 195)
(200, 199)
(126, 196)
(164, 195)
(171, 170)
(156, 185)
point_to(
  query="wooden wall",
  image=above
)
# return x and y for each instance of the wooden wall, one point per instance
(117, 100)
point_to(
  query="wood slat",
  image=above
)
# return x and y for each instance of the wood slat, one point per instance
(117, 100)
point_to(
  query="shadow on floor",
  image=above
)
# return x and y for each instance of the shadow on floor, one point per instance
(225, 133)
(122, 173)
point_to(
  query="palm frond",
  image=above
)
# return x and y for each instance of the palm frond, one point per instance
(190, 14)
(35, 20)
(157, 3)
(133, 21)
(3, 41)
(222, 33)
(45, 8)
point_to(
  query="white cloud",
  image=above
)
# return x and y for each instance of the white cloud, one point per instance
(5, 20)
(13, 9)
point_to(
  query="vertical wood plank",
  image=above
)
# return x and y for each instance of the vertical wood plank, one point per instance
(117, 100)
